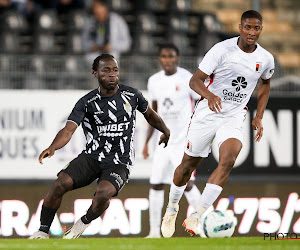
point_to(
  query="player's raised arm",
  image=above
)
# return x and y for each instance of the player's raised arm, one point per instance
(156, 122)
(60, 140)
(262, 100)
(197, 84)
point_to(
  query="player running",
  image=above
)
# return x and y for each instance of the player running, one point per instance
(235, 66)
(107, 115)
(173, 99)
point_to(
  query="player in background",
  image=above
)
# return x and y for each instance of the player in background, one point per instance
(108, 116)
(173, 100)
(233, 68)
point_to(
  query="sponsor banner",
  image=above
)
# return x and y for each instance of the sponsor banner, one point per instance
(278, 152)
(29, 121)
(257, 210)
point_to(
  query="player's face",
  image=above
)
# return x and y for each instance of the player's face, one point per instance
(168, 60)
(100, 11)
(250, 30)
(108, 74)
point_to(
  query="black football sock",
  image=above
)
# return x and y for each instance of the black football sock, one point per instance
(89, 216)
(47, 216)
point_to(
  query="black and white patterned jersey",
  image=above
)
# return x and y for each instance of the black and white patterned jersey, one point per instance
(108, 123)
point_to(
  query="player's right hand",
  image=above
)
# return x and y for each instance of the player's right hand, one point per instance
(46, 153)
(164, 138)
(214, 103)
(145, 151)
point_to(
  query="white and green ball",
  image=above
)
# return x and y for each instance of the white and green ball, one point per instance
(218, 224)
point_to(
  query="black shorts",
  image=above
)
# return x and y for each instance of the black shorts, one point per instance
(84, 170)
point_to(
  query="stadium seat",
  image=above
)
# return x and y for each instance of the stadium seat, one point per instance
(46, 20)
(179, 23)
(289, 59)
(76, 20)
(120, 5)
(44, 43)
(209, 22)
(147, 22)
(182, 5)
(9, 42)
(144, 44)
(73, 43)
(154, 5)
(13, 20)
(182, 42)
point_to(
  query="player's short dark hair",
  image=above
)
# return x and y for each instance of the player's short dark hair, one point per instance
(251, 14)
(103, 2)
(168, 46)
(98, 58)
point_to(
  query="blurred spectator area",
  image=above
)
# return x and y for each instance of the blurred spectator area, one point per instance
(43, 49)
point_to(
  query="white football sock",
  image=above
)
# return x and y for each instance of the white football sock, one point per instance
(156, 202)
(193, 196)
(209, 195)
(175, 196)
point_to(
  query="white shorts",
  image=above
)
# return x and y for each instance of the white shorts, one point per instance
(165, 161)
(203, 131)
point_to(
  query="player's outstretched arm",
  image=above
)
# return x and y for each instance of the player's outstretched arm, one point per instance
(262, 100)
(197, 84)
(156, 122)
(60, 140)
(149, 133)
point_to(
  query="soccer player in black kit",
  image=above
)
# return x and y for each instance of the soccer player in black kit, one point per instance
(107, 115)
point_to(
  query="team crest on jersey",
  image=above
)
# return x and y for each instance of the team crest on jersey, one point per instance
(127, 107)
(258, 67)
(189, 146)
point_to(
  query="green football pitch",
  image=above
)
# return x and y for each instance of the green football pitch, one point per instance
(238, 243)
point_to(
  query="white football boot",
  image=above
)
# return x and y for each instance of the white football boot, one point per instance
(191, 224)
(39, 235)
(168, 223)
(76, 230)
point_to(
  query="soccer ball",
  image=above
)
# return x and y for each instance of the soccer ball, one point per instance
(218, 224)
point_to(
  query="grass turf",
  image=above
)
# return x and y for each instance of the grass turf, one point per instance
(153, 244)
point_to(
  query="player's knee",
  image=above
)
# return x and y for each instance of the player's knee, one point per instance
(227, 163)
(184, 170)
(189, 186)
(102, 196)
(60, 187)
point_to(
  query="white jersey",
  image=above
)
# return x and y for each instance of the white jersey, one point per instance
(234, 74)
(174, 101)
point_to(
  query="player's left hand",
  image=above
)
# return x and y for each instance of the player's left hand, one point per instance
(164, 139)
(257, 125)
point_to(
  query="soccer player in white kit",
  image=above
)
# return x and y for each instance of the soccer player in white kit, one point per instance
(173, 100)
(235, 66)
